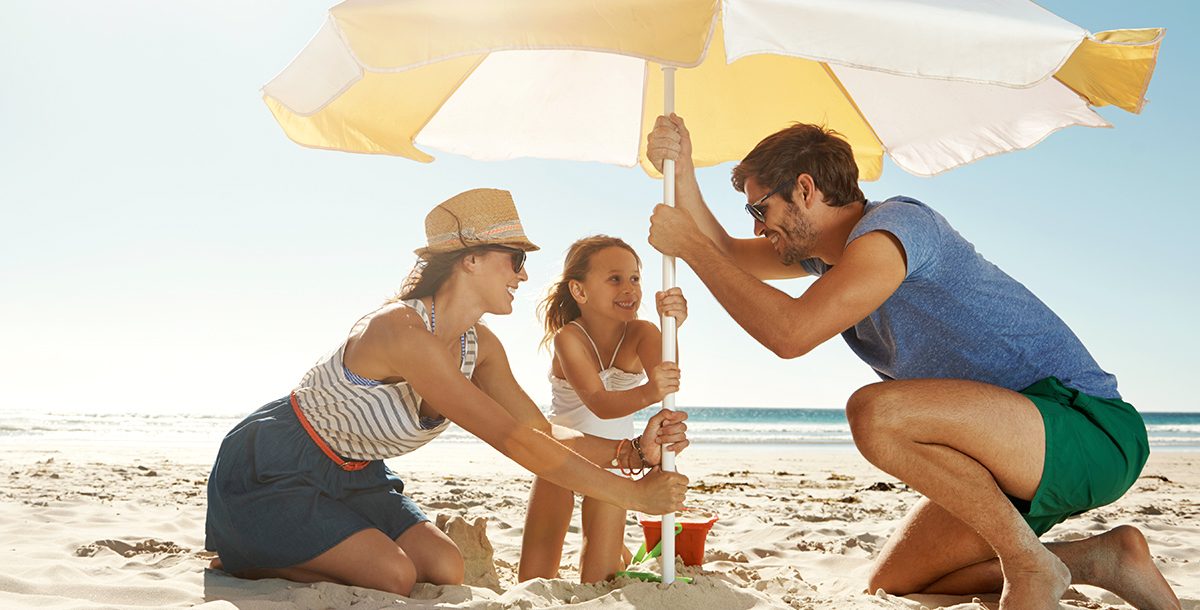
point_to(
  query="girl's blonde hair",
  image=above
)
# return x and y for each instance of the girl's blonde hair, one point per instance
(559, 307)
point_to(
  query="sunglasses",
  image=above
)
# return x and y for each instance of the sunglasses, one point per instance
(518, 256)
(758, 209)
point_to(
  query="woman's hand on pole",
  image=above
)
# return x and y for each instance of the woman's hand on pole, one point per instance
(665, 428)
(660, 492)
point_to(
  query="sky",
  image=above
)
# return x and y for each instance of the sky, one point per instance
(165, 249)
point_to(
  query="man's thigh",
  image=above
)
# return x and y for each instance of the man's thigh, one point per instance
(1001, 429)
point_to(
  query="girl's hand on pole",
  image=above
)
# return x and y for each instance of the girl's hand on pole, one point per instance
(664, 379)
(672, 303)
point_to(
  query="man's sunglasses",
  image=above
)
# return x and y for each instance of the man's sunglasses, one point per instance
(517, 254)
(758, 209)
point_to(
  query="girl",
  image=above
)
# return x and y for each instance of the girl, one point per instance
(602, 354)
(299, 489)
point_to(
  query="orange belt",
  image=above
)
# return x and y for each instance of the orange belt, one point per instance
(321, 444)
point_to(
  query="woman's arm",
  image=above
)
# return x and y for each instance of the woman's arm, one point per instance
(496, 379)
(493, 375)
(425, 364)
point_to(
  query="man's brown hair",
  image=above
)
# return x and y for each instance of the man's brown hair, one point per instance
(803, 149)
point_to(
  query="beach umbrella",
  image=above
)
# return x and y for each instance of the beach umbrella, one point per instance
(934, 84)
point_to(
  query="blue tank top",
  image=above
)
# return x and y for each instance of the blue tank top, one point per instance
(958, 316)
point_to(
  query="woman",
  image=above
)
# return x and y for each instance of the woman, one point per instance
(299, 489)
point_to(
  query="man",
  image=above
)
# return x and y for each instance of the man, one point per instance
(990, 406)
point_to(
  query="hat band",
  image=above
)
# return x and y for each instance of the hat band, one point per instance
(496, 233)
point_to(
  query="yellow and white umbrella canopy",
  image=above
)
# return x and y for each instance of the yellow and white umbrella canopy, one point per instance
(933, 83)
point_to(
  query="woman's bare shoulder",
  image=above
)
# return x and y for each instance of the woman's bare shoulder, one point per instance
(392, 320)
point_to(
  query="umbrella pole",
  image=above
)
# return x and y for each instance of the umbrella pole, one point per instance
(668, 332)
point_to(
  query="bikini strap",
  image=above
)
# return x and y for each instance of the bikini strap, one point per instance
(624, 330)
(589, 338)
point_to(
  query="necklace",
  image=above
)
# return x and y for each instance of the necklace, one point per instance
(462, 339)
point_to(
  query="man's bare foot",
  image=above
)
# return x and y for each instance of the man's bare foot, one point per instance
(216, 564)
(1034, 582)
(1119, 560)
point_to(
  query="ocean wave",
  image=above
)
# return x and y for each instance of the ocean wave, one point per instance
(719, 426)
(1193, 429)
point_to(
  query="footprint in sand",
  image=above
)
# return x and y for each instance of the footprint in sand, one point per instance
(446, 504)
(144, 547)
(719, 555)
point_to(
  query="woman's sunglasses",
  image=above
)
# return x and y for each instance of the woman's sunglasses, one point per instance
(517, 254)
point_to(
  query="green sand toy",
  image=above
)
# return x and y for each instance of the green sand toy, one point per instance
(642, 555)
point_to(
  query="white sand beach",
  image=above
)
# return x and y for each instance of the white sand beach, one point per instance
(92, 525)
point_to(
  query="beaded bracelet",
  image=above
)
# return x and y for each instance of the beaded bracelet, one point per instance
(637, 444)
(631, 471)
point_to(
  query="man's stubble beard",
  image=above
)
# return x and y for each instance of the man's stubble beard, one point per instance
(796, 236)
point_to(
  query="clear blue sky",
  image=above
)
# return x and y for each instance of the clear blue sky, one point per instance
(164, 247)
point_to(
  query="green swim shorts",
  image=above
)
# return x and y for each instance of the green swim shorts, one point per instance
(1095, 450)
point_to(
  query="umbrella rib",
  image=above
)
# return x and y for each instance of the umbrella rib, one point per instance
(467, 74)
(643, 128)
(849, 98)
(955, 79)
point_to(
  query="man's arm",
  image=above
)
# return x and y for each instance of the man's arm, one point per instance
(755, 256)
(670, 140)
(870, 270)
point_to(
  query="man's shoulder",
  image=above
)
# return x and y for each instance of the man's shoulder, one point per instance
(898, 205)
(920, 231)
(896, 212)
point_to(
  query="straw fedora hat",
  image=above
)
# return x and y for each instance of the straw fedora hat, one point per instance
(478, 217)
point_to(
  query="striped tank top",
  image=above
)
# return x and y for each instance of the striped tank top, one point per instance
(361, 422)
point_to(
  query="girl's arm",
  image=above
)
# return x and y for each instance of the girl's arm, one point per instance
(422, 361)
(664, 376)
(575, 356)
(493, 375)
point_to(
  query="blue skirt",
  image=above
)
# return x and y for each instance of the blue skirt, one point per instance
(275, 500)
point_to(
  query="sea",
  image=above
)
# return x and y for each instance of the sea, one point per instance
(762, 428)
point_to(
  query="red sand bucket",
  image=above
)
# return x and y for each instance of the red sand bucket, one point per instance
(689, 544)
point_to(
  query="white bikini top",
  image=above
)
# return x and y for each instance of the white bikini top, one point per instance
(564, 398)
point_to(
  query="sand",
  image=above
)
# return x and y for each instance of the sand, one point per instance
(94, 526)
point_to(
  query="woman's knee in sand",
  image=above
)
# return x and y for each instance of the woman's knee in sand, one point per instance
(447, 567)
